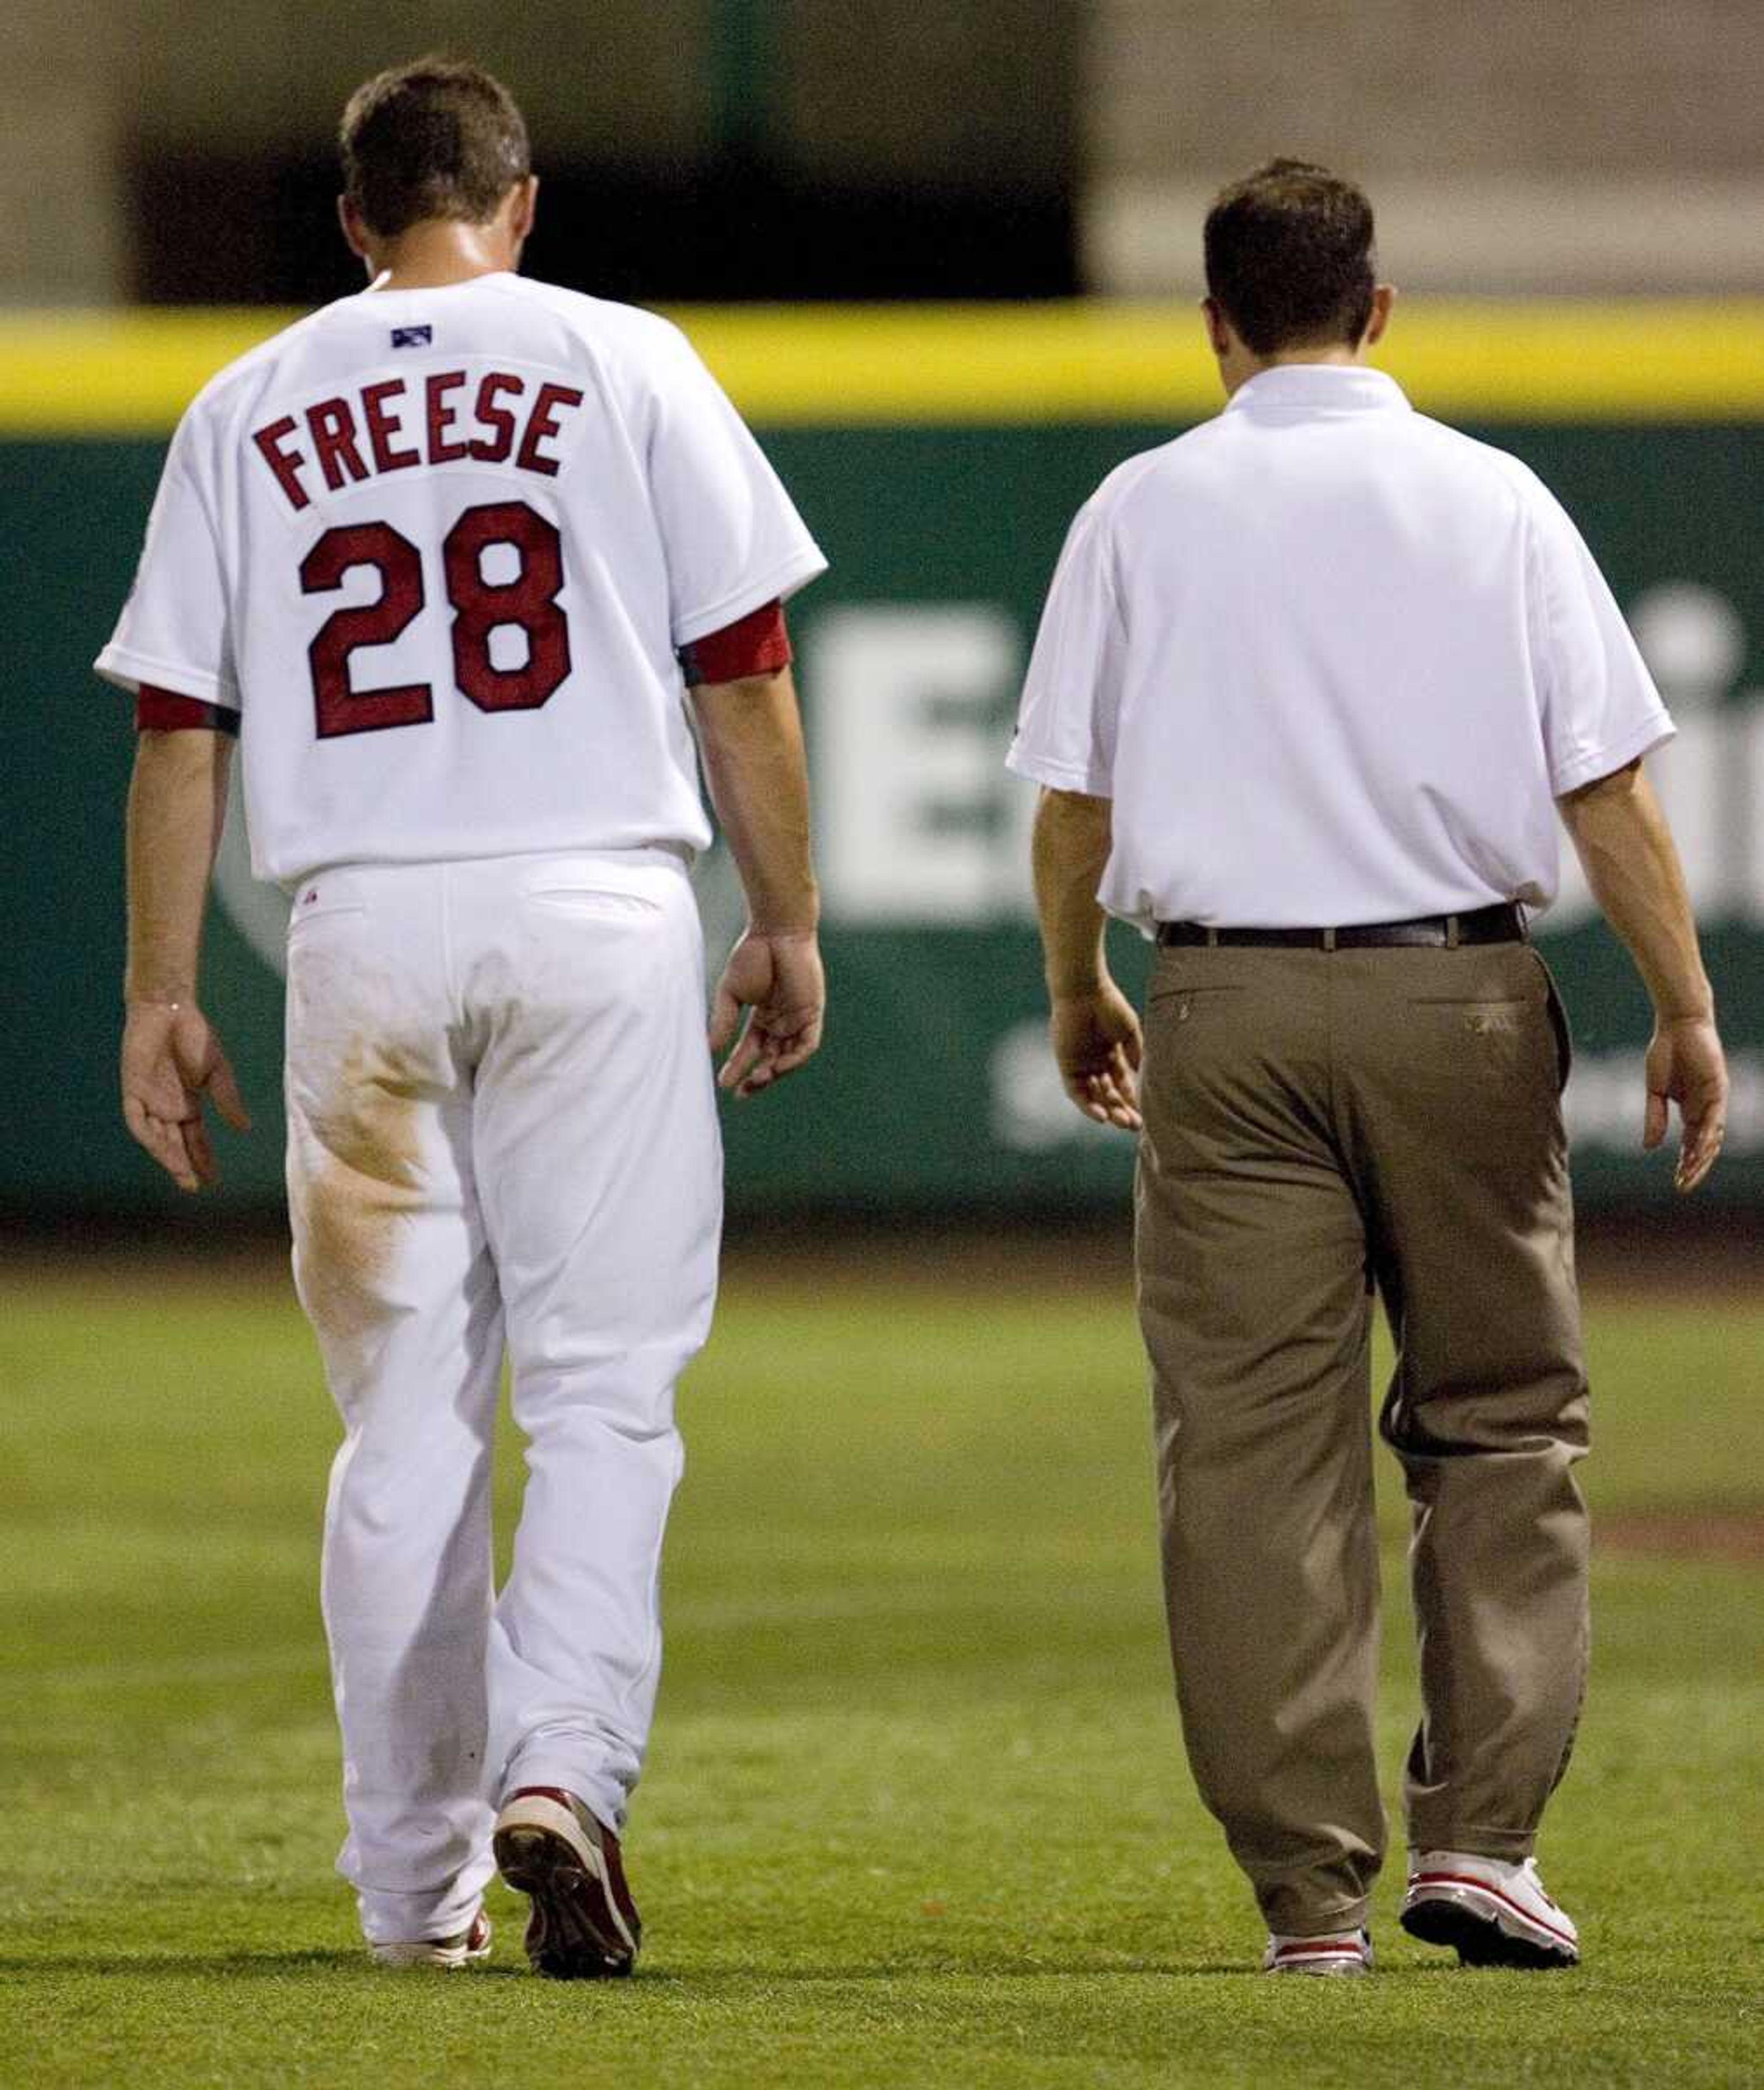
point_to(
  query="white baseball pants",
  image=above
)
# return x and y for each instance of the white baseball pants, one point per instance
(501, 1131)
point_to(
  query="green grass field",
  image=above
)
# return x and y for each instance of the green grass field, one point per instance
(916, 1810)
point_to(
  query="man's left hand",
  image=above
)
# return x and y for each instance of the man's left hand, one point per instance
(1096, 1042)
(171, 1060)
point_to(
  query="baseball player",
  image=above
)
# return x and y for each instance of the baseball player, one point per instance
(1312, 683)
(447, 556)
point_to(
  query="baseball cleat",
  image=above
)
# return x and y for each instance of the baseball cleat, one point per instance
(1335, 1952)
(585, 1925)
(1495, 1913)
(449, 1953)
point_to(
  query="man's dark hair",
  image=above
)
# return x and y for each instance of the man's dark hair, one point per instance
(1290, 256)
(437, 138)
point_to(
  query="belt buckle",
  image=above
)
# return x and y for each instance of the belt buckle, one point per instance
(1328, 940)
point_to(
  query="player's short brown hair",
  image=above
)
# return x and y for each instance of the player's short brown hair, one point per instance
(1289, 257)
(437, 138)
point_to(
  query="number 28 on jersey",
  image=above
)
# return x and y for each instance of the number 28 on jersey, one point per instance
(390, 426)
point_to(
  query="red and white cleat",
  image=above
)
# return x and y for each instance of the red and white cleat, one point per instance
(1493, 1912)
(449, 1954)
(585, 1925)
(1336, 1952)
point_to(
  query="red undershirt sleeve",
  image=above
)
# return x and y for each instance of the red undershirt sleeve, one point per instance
(164, 710)
(756, 644)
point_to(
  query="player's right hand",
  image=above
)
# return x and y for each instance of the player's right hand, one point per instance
(171, 1060)
(779, 982)
(1097, 1043)
(1685, 1065)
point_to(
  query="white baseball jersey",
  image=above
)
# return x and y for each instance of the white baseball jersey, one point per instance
(1333, 662)
(438, 547)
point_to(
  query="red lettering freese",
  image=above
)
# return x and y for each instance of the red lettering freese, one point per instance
(382, 428)
(332, 427)
(491, 416)
(441, 417)
(542, 423)
(285, 463)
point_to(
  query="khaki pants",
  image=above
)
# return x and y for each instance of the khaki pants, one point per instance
(1315, 1122)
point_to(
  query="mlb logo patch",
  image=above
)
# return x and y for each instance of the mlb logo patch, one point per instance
(412, 336)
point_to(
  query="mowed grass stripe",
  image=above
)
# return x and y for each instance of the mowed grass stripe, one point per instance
(916, 1810)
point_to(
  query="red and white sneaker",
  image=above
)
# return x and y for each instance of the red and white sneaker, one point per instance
(1336, 1952)
(585, 1925)
(1493, 1912)
(449, 1953)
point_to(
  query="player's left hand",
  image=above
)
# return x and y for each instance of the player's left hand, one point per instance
(171, 1058)
(1097, 1041)
(779, 982)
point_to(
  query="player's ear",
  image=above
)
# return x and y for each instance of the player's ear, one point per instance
(1383, 298)
(525, 205)
(354, 232)
(1218, 331)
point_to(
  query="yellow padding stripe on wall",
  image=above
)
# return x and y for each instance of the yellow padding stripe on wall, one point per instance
(131, 373)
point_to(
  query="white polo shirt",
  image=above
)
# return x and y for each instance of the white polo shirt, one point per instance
(1333, 662)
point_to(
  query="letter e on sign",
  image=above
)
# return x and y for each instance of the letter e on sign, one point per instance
(920, 822)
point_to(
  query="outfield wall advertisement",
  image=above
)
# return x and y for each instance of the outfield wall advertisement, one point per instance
(941, 486)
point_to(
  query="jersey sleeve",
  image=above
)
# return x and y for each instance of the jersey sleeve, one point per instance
(1072, 698)
(733, 540)
(1600, 708)
(173, 632)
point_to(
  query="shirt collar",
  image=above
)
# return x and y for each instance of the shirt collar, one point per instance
(1308, 391)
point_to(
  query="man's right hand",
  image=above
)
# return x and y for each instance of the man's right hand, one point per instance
(779, 982)
(171, 1060)
(1685, 1065)
(1626, 848)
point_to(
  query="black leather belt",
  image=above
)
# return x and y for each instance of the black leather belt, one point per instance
(1504, 924)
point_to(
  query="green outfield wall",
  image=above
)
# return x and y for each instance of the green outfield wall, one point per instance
(938, 457)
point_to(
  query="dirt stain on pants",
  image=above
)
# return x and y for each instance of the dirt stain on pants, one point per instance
(355, 1176)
